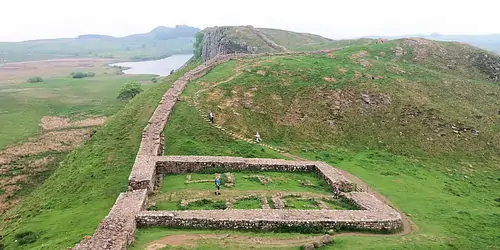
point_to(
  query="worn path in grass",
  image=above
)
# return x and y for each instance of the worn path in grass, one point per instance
(408, 225)
(261, 242)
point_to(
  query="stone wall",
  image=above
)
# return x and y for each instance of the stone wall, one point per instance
(189, 164)
(117, 229)
(273, 219)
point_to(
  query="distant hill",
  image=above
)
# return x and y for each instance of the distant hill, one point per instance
(489, 42)
(166, 33)
(158, 43)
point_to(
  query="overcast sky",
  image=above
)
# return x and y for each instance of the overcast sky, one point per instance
(35, 19)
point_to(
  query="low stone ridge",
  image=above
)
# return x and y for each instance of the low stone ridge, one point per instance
(278, 202)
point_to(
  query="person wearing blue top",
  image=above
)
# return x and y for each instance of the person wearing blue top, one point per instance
(217, 185)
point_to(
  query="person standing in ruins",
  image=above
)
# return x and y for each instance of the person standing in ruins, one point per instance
(217, 185)
(211, 117)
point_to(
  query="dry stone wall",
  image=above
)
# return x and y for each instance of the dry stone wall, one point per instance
(117, 229)
(274, 219)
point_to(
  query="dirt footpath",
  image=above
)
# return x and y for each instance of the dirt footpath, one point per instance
(225, 240)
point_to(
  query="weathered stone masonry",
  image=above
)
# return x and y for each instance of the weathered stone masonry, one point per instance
(117, 229)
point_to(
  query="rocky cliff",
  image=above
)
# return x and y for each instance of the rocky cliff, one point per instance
(220, 41)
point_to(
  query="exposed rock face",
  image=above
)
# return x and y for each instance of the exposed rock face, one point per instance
(216, 41)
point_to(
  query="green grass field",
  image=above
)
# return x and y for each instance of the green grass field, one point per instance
(23, 105)
(144, 237)
(175, 189)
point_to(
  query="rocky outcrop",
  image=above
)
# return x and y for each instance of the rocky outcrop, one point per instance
(218, 41)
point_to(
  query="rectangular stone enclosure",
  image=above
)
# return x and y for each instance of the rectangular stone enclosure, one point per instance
(374, 215)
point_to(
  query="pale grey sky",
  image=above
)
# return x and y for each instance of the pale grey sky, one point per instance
(35, 19)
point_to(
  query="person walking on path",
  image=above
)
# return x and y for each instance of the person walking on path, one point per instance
(217, 185)
(257, 137)
(336, 191)
(211, 117)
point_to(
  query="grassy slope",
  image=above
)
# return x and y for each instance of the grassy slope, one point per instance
(446, 184)
(71, 202)
(291, 40)
(188, 134)
(307, 42)
(23, 105)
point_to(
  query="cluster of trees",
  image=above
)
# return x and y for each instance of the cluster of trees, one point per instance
(129, 90)
(82, 74)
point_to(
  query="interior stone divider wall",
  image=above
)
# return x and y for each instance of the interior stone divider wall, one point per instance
(117, 229)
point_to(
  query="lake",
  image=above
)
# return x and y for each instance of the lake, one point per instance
(156, 67)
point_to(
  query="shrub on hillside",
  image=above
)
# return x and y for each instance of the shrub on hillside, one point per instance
(35, 79)
(26, 237)
(82, 74)
(129, 90)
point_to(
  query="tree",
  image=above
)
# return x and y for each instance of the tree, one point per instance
(129, 90)
(35, 79)
(198, 44)
(82, 74)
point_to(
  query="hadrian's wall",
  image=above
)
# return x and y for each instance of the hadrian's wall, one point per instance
(117, 229)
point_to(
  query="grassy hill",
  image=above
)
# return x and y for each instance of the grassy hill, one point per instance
(307, 42)
(417, 120)
(159, 43)
(489, 42)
